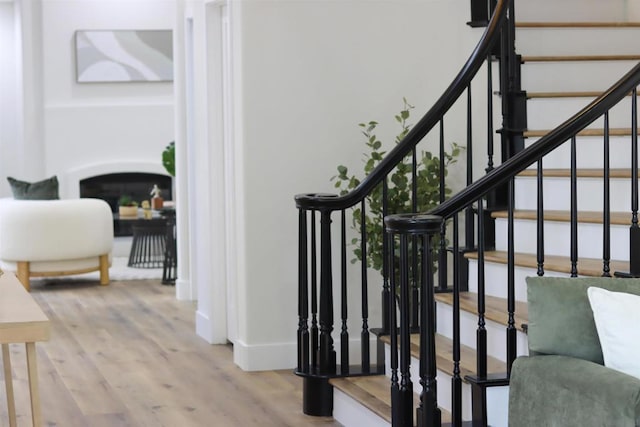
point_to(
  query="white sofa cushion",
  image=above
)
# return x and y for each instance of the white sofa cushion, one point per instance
(54, 230)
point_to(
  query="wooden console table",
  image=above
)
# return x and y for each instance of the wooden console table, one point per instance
(21, 321)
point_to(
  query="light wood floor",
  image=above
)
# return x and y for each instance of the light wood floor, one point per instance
(127, 355)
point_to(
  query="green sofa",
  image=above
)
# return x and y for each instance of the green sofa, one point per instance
(563, 381)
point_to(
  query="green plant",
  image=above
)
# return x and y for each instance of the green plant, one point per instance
(169, 158)
(127, 201)
(399, 186)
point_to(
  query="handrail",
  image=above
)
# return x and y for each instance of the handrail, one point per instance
(540, 148)
(426, 123)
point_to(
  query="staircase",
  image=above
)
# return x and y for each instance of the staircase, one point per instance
(565, 66)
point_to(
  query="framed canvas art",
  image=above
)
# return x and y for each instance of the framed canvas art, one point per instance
(124, 56)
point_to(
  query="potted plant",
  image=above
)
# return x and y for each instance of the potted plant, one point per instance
(169, 158)
(399, 190)
(127, 207)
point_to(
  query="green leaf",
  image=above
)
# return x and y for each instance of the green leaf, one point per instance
(399, 189)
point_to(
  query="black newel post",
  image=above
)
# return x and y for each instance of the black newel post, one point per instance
(317, 392)
(423, 227)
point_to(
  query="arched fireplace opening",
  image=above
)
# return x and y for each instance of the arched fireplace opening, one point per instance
(137, 185)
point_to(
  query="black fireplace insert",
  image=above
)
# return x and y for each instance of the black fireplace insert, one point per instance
(137, 185)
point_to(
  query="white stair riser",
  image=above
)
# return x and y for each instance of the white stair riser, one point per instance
(351, 413)
(497, 406)
(496, 284)
(538, 116)
(557, 238)
(593, 75)
(496, 335)
(443, 385)
(589, 153)
(562, 41)
(557, 195)
(571, 10)
(496, 279)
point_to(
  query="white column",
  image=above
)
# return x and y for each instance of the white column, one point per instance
(31, 115)
(182, 50)
(201, 155)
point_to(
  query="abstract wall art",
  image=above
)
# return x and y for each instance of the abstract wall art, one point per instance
(124, 56)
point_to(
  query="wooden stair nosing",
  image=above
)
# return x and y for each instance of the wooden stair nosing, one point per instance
(584, 94)
(588, 217)
(580, 173)
(538, 133)
(495, 307)
(374, 393)
(586, 24)
(444, 356)
(578, 58)
(556, 263)
(538, 95)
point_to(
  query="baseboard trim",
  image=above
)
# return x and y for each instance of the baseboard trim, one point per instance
(264, 357)
(183, 290)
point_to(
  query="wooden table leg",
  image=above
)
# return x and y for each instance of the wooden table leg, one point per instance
(33, 384)
(8, 384)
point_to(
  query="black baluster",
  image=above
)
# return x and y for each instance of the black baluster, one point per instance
(456, 380)
(442, 254)
(327, 356)
(344, 331)
(386, 293)
(303, 294)
(634, 255)
(489, 115)
(606, 214)
(574, 209)
(469, 226)
(406, 386)
(315, 334)
(634, 230)
(364, 335)
(481, 332)
(395, 384)
(414, 245)
(511, 300)
(540, 219)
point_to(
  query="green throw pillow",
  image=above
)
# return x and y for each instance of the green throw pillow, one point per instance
(560, 316)
(46, 189)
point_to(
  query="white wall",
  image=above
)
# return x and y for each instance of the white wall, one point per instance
(310, 72)
(79, 125)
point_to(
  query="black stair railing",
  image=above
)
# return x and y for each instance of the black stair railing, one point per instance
(427, 226)
(318, 359)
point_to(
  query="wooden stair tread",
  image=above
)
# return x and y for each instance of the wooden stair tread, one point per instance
(580, 173)
(590, 217)
(578, 58)
(585, 94)
(495, 307)
(444, 356)
(374, 392)
(560, 264)
(586, 132)
(577, 24)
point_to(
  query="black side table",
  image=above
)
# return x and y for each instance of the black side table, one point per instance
(149, 243)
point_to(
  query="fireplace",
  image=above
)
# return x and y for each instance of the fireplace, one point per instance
(137, 185)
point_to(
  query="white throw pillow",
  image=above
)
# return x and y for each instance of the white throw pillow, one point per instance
(617, 317)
